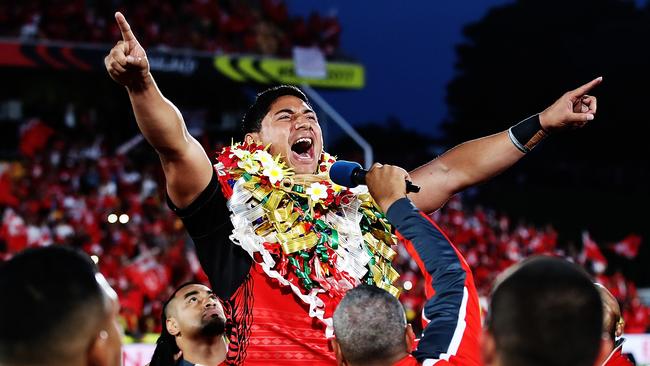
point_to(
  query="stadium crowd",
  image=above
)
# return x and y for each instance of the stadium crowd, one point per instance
(258, 26)
(79, 191)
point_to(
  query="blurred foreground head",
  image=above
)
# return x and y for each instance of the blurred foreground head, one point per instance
(613, 322)
(544, 311)
(56, 309)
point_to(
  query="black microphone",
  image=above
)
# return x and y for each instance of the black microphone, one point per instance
(351, 174)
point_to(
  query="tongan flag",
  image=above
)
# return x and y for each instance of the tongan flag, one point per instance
(628, 247)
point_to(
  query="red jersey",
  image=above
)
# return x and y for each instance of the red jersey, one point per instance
(272, 326)
(617, 358)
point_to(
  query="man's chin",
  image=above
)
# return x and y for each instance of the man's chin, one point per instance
(304, 170)
(301, 167)
(213, 327)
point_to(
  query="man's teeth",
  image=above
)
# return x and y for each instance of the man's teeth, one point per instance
(302, 147)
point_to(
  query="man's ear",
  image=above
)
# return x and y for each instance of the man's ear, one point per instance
(252, 137)
(172, 326)
(488, 349)
(620, 326)
(336, 347)
(409, 338)
(99, 351)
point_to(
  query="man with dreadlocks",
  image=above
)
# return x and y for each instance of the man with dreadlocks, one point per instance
(193, 329)
(277, 239)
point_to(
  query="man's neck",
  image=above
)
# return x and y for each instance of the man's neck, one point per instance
(385, 362)
(81, 360)
(204, 351)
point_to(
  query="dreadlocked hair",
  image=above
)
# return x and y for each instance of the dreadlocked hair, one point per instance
(240, 310)
(166, 348)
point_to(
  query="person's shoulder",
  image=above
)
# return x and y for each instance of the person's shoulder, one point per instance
(409, 360)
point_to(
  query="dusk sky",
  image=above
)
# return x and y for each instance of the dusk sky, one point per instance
(407, 48)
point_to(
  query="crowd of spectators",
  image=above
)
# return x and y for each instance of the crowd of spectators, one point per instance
(492, 242)
(70, 187)
(232, 26)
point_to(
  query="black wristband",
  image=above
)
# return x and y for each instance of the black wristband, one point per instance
(526, 134)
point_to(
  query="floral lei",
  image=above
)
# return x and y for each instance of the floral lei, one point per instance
(318, 238)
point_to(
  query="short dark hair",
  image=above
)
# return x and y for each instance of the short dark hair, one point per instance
(369, 324)
(546, 311)
(50, 300)
(252, 121)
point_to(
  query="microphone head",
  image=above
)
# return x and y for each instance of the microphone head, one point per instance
(343, 172)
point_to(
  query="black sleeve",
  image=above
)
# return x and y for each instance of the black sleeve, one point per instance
(207, 221)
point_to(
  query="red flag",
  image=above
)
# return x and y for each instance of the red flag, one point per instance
(628, 247)
(14, 231)
(6, 195)
(148, 275)
(591, 253)
(33, 137)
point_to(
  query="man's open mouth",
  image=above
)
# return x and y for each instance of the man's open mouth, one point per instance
(303, 149)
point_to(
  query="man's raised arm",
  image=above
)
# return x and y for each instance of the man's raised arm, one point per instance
(185, 164)
(451, 335)
(476, 161)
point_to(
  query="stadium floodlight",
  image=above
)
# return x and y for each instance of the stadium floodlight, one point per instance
(112, 218)
(408, 285)
(124, 218)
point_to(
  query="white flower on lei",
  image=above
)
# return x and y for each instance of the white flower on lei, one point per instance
(249, 165)
(241, 153)
(317, 191)
(274, 172)
(264, 158)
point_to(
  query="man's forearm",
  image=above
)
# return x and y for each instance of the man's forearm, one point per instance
(478, 160)
(159, 120)
(465, 165)
(454, 315)
(186, 166)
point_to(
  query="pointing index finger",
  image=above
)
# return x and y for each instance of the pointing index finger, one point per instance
(125, 28)
(582, 90)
